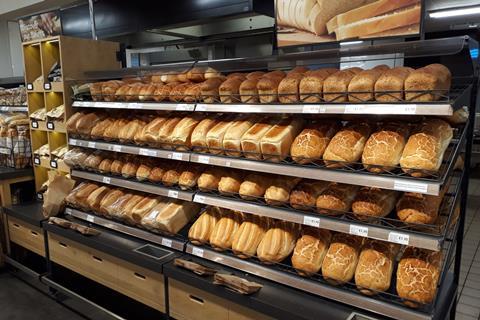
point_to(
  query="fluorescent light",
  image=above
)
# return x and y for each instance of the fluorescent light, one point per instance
(455, 12)
(350, 43)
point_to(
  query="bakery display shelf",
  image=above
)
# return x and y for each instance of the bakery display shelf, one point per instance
(131, 149)
(135, 105)
(13, 108)
(175, 242)
(148, 187)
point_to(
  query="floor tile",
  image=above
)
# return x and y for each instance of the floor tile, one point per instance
(462, 316)
(468, 310)
(471, 292)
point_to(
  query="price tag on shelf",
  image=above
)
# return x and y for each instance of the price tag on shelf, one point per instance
(91, 145)
(358, 230)
(36, 160)
(204, 159)
(147, 152)
(106, 180)
(34, 124)
(354, 108)
(173, 194)
(166, 242)
(100, 104)
(410, 109)
(68, 211)
(47, 86)
(177, 156)
(134, 105)
(314, 108)
(117, 105)
(29, 86)
(399, 238)
(199, 199)
(201, 107)
(50, 125)
(53, 164)
(4, 108)
(228, 163)
(311, 221)
(117, 148)
(90, 218)
(73, 142)
(401, 185)
(182, 107)
(197, 252)
(40, 196)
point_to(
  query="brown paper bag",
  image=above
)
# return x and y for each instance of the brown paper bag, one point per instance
(54, 197)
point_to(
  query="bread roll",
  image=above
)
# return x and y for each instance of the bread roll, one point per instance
(347, 145)
(181, 135)
(250, 140)
(364, 84)
(375, 266)
(288, 89)
(418, 208)
(209, 89)
(392, 80)
(189, 176)
(341, 260)
(310, 250)
(311, 85)
(99, 129)
(424, 151)
(171, 176)
(417, 275)
(224, 231)
(335, 87)
(384, 148)
(196, 74)
(94, 199)
(304, 195)
(374, 202)
(230, 182)
(136, 215)
(215, 135)
(276, 143)
(229, 90)
(199, 134)
(163, 138)
(202, 228)
(278, 242)
(248, 236)
(254, 186)
(108, 200)
(267, 88)
(336, 199)
(311, 143)
(434, 77)
(129, 169)
(143, 171)
(279, 192)
(105, 166)
(234, 134)
(210, 179)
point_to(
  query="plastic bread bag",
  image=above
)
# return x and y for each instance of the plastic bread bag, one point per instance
(115, 210)
(149, 221)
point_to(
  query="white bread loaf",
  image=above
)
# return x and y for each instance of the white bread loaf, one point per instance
(233, 136)
(202, 228)
(276, 143)
(278, 242)
(250, 141)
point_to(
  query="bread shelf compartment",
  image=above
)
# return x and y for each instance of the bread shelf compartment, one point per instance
(135, 105)
(134, 185)
(170, 242)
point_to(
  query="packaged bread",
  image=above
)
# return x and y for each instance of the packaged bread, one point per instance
(392, 80)
(288, 89)
(417, 275)
(93, 160)
(70, 199)
(278, 242)
(196, 74)
(163, 138)
(143, 171)
(176, 215)
(434, 78)
(108, 199)
(234, 134)
(189, 176)
(129, 169)
(137, 213)
(311, 143)
(112, 131)
(275, 144)
(249, 234)
(215, 135)
(310, 250)
(425, 148)
(311, 85)
(156, 174)
(85, 124)
(374, 202)
(250, 140)
(198, 138)
(254, 186)
(149, 221)
(117, 166)
(304, 195)
(116, 207)
(224, 231)
(181, 135)
(375, 266)
(96, 91)
(72, 122)
(202, 228)
(229, 90)
(383, 149)
(347, 145)
(150, 131)
(279, 192)
(100, 127)
(210, 179)
(209, 89)
(336, 199)
(124, 210)
(109, 88)
(127, 133)
(335, 86)
(230, 182)
(418, 208)
(81, 195)
(341, 260)
(172, 175)
(267, 88)
(362, 86)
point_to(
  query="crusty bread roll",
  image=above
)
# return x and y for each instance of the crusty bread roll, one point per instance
(224, 231)
(234, 134)
(336, 199)
(288, 89)
(276, 143)
(374, 202)
(311, 143)
(305, 194)
(363, 84)
(229, 90)
(335, 87)
(434, 77)
(230, 182)
(202, 228)
(250, 140)
(347, 145)
(424, 151)
(310, 250)
(311, 85)
(278, 242)
(209, 89)
(189, 176)
(216, 134)
(175, 215)
(341, 260)
(249, 234)
(267, 88)
(196, 74)
(418, 208)
(198, 138)
(384, 148)
(210, 179)
(156, 174)
(254, 186)
(108, 199)
(417, 275)
(180, 136)
(375, 266)
(392, 80)
(95, 198)
(279, 192)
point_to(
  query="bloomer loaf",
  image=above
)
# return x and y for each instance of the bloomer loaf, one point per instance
(310, 251)
(278, 242)
(224, 231)
(249, 234)
(201, 230)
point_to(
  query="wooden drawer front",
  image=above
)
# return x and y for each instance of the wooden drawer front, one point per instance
(141, 284)
(237, 312)
(189, 303)
(68, 254)
(102, 268)
(26, 235)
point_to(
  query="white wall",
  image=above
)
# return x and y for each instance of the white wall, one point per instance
(16, 54)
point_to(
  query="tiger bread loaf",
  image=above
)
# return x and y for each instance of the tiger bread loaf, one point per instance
(311, 85)
(267, 86)
(434, 78)
(390, 86)
(311, 143)
(230, 182)
(347, 145)
(250, 140)
(418, 208)
(95, 198)
(278, 242)
(375, 266)
(254, 186)
(164, 133)
(189, 176)
(210, 178)
(108, 199)
(417, 275)
(304, 195)
(288, 88)
(249, 234)
(336, 198)
(383, 149)
(144, 206)
(425, 148)
(216, 134)
(341, 260)
(198, 138)
(362, 86)
(373, 202)
(275, 144)
(181, 134)
(234, 134)
(128, 132)
(310, 250)
(229, 89)
(224, 231)
(202, 228)
(175, 215)
(279, 192)
(209, 89)
(335, 87)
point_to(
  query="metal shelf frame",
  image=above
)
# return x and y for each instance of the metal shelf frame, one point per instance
(155, 106)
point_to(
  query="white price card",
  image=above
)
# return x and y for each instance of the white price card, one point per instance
(147, 152)
(311, 221)
(50, 125)
(134, 105)
(106, 180)
(53, 164)
(68, 211)
(173, 194)
(204, 159)
(314, 108)
(90, 218)
(117, 148)
(34, 124)
(92, 145)
(73, 142)
(201, 107)
(408, 186)
(197, 252)
(199, 199)
(182, 107)
(228, 163)
(359, 230)
(4, 109)
(36, 160)
(177, 156)
(410, 109)
(354, 108)
(400, 238)
(167, 242)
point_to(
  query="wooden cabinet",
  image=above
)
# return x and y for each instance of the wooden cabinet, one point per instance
(26, 235)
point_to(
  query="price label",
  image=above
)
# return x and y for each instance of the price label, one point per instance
(201, 107)
(197, 252)
(29, 86)
(173, 194)
(399, 238)
(4, 109)
(34, 124)
(182, 107)
(91, 145)
(103, 104)
(311, 221)
(53, 164)
(90, 218)
(410, 109)
(204, 159)
(36, 160)
(47, 86)
(167, 242)
(134, 105)
(228, 163)
(50, 125)
(358, 230)
(408, 186)
(177, 156)
(68, 211)
(314, 108)
(354, 108)
(199, 199)
(147, 152)
(39, 196)
(117, 148)
(106, 180)
(73, 142)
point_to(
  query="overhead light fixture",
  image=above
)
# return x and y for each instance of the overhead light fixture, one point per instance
(455, 12)
(350, 43)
